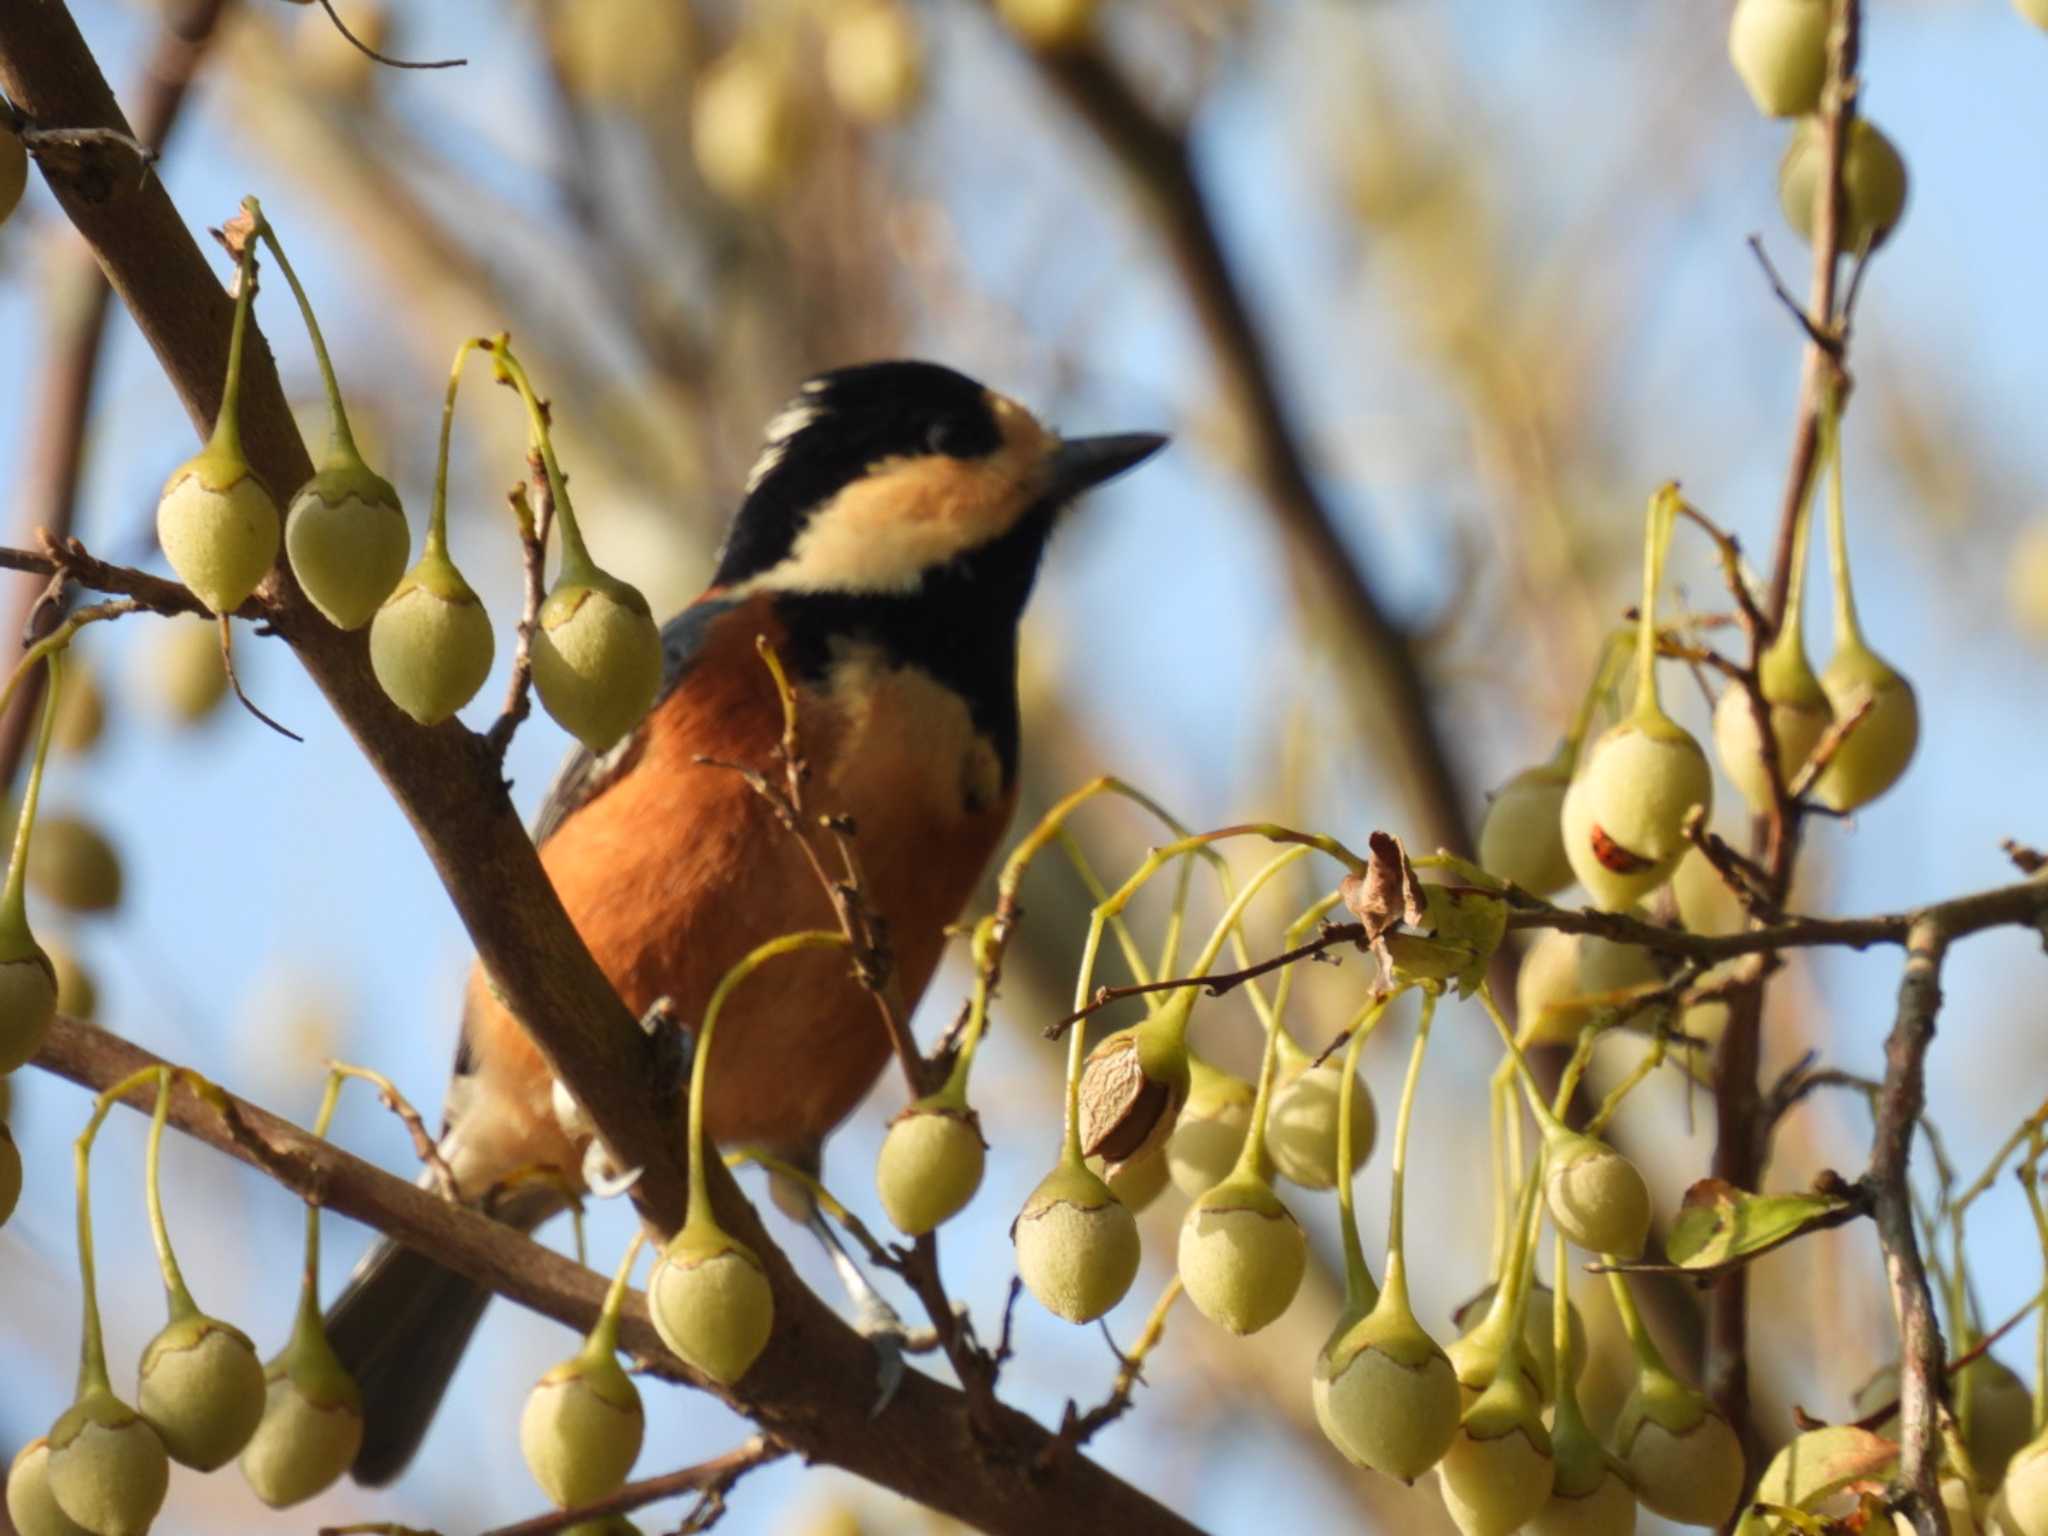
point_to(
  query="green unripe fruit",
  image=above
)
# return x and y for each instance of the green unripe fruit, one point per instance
(1520, 838)
(431, 642)
(1301, 1126)
(1780, 49)
(1049, 23)
(746, 126)
(202, 1391)
(72, 865)
(874, 62)
(28, 1001)
(2024, 1491)
(218, 527)
(312, 1423)
(596, 658)
(1077, 1245)
(10, 1174)
(1137, 1183)
(1242, 1254)
(711, 1302)
(1549, 1007)
(2000, 1411)
(1499, 1469)
(1873, 184)
(81, 711)
(1685, 1461)
(186, 675)
(1608, 1508)
(107, 1468)
(30, 1504)
(1624, 814)
(1797, 723)
(13, 172)
(1539, 1343)
(1705, 904)
(1596, 1196)
(1210, 1132)
(1880, 745)
(1385, 1393)
(348, 541)
(930, 1164)
(581, 1429)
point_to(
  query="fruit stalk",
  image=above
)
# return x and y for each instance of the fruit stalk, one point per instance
(92, 1349)
(176, 1295)
(341, 441)
(1359, 1290)
(575, 554)
(1396, 1283)
(13, 899)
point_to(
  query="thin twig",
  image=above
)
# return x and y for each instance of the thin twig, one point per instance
(385, 59)
(227, 661)
(534, 511)
(706, 1478)
(423, 1143)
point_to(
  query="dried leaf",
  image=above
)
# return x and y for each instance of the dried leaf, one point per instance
(1719, 1225)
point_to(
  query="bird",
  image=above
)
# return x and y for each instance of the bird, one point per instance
(885, 546)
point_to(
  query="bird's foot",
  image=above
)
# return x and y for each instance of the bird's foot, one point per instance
(877, 1322)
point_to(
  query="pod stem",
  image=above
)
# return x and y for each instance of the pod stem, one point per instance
(309, 1280)
(1125, 940)
(1656, 539)
(176, 1295)
(14, 897)
(1545, 1116)
(226, 437)
(575, 555)
(341, 442)
(1569, 1419)
(1054, 821)
(604, 1335)
(437, 517)
(1848, 629)
(1252, 1159)
(699, 1218)
(1647, 1355)
(1359, 1291)
(1397, 1271)
(1297, 932)
(1614, 651)
(1790, 639)
(92, 1347)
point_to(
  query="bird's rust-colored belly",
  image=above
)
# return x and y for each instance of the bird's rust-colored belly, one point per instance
(680, 868)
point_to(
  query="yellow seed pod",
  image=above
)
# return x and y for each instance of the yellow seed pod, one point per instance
(13, 172)
(1596, 1196)
(711, 1302)
(746, 126)
(431, 642)
(1539, 1344)
(348, 542)
(1548, 998)
(1796, 724)
(1685, 1461)
(312, 1423)
(107, 1468)
(1877, 750)
(1242, 1255)
(1780, 49)
(1301, 1126)
(1499, 1469)
(1049, 23)
(1210, 1132)
(1385, 1394)
(581, 1429)
(184, 674)
(1608, 1508)
(1624, 814)
(219, 527)
(28, 1001)
(930, 1165)
(1705, 903)
(596, 658)
(72, 865)
(874, 60)
(30, 1504)
(1077, 1245)
(1137, 1182)
(1873, 183)
(202, 1390)
(81, 711)
(1520, 838)
(2024, 1491)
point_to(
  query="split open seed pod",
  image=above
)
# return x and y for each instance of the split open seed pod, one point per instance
(1242, 1254)
(710, 1300)
(1624, 815)
(930, 1164)
(1134, 1083)
(1077, 1245)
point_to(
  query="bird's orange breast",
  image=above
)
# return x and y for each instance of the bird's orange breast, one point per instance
(678, 868)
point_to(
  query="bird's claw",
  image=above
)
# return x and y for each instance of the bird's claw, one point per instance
(604, 1181)
(876, 1321)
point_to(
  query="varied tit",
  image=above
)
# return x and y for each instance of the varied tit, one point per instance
(890, 533)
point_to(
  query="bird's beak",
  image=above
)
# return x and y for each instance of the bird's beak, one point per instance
(1082, 463)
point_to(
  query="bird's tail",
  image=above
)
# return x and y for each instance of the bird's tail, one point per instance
(400, 1326)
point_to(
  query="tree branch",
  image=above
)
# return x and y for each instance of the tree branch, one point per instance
(812, 1390)
(711, 1479)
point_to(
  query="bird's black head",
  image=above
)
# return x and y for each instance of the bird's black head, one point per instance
(877, 478)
